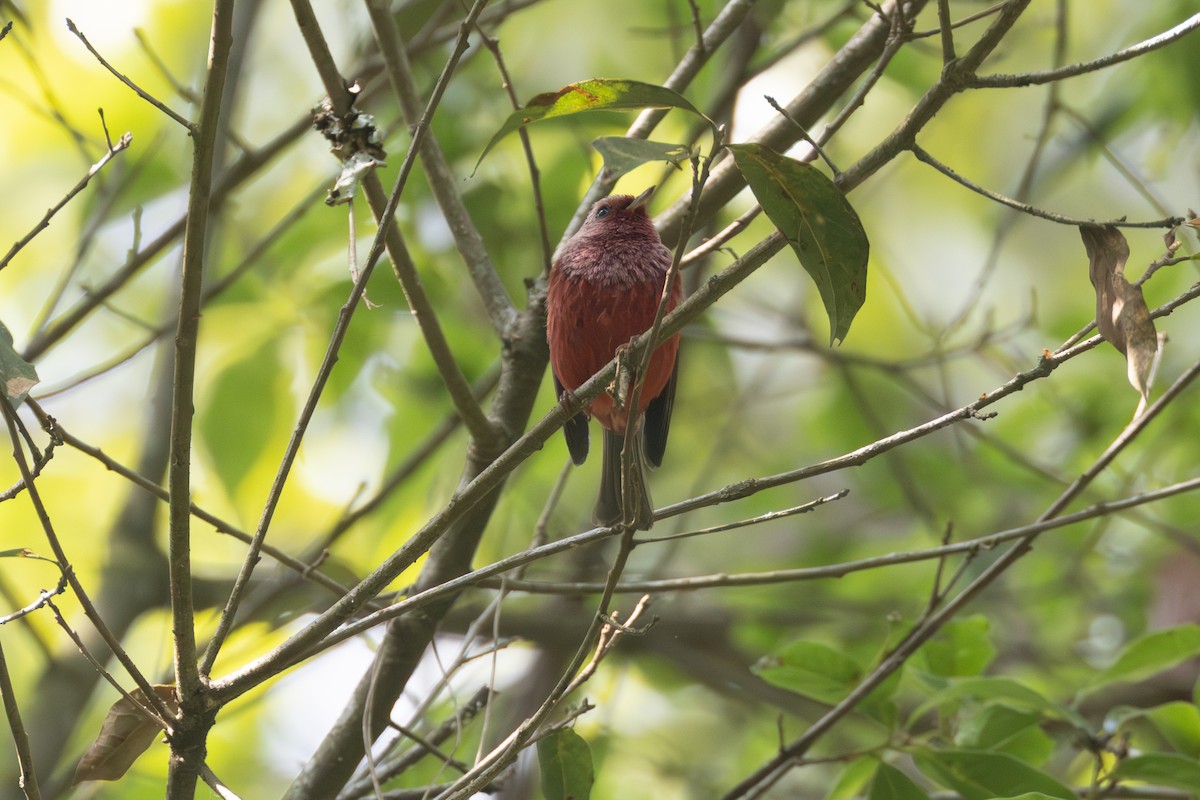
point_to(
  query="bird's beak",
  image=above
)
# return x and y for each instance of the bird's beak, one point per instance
(642, 198)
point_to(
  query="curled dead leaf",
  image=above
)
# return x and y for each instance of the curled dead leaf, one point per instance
(1121, 312)
(124, 735)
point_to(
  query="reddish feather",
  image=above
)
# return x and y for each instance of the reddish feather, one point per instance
(604, 290)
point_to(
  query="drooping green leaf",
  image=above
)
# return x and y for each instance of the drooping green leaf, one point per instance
(1179, 723)
(981, 775)
(565, 762)
(961, 648)
(818, 222)
(892, 784)
(811, 669)
(595, 94)
(1164, 769)
(1151, 654)
(17, 376)
(622, 154)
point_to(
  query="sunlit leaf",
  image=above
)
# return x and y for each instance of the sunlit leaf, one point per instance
(852, 780)
(811, 669)
(892, 784)
(16, 374)
(622, 154)
(565, 762)
(818, 222)
(980, 775)
(1121, 313)
(596, 94)
(1164, 769)
(1151, 654)
(124, 735)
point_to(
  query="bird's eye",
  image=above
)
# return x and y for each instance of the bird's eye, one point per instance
(602, 211)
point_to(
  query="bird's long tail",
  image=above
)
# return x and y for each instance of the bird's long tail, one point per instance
(608, 505)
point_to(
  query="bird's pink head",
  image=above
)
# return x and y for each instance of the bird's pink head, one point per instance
(618, 212)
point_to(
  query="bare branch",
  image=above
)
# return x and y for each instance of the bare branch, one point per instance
(1049, 76)
(922, 155)
(113, 149)
(142, 93)
(187, 674)
(28, 779)
(441, 180)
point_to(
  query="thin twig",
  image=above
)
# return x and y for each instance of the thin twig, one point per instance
(121, 145)
(237, 174)
(967, 20)
(922, 155)
(442, 182)
(28, 780)
(718, 240)
(60, 555)
(1049, 76)
(817, 149)
(146, 712)
(216, 784)
(770, 516)
(142, 93)
(535, 183)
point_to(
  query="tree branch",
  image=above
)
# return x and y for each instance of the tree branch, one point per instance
(1050, 76)
(196, 716)
(441, 180)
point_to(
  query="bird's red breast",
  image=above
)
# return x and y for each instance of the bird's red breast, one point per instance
(603, 291)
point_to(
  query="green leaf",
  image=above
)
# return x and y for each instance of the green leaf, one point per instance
(962, 648)
(1179, 723)
(16, 374)
(811, 669)
(565, 761)
(236, 437)
(1164, 769)
(591, 95)
(853, 779)
(892, 784)
(819, 224)
(1151, 654)
(980, 775)
(622, 154)
(983, 689)
(1003, 728)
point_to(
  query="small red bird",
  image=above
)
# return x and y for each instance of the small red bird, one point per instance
(604, 290)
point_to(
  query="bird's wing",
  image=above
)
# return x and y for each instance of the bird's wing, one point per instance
(575, 431)
(658, 419)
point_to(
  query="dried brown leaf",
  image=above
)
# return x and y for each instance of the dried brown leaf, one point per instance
(125, 735)
(1121, 312)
